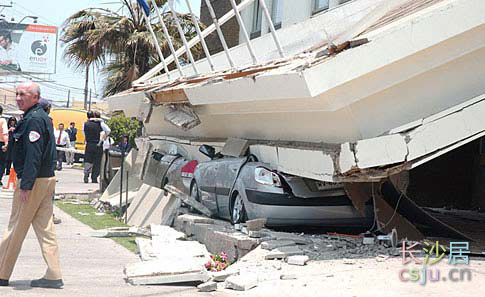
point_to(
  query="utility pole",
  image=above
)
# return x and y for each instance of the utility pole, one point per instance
(68, 97)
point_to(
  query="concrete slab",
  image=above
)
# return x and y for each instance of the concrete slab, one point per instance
(256, 224)
(207, 287)
(273, 244)
(235, 147)
(283, 252)
(152, 206)
(299, 260)
(164, 271)
(221, 276)
(241, 282)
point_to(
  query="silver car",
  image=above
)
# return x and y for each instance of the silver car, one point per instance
(242, 189)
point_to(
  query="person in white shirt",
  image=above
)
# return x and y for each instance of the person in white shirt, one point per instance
(62, 140)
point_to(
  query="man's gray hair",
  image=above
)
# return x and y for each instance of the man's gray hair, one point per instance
(35, 89)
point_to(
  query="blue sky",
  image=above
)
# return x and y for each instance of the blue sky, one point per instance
(53, 13)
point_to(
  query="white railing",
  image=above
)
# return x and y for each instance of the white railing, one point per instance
(201, 35)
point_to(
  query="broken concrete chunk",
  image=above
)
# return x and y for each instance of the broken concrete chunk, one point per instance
(283, 252)
(255, 225)
(165, 271)
(288, 276)
(118, 232)
(273, 244)
(167, 232)
(241, 282)
(189, 218)
(207, 287)
(221, 276)
(259, 234)
(300, 260)
(181, 116)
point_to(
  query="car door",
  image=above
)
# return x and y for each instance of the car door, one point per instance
(226, 174)
(206, 173)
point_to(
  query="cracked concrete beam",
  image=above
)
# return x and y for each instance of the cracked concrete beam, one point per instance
(313, 164)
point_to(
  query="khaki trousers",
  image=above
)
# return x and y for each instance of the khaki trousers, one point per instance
(38, 212)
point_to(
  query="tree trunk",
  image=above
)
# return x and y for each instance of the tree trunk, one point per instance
(86, 86)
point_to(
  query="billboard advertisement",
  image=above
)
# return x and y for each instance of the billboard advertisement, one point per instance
(27, 48)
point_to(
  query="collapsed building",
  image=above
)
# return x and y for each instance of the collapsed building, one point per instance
(384, 97)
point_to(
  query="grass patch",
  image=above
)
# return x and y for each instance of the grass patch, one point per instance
(86, 215)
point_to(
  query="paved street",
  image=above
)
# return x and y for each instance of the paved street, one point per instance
(91, 266)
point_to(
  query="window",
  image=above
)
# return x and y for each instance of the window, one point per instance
(276, 13)
(319, 5)
(257, 20)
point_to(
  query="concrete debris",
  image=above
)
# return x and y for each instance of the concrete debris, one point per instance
(298, 260)
(189, 201)
(283, 252)
(241, 282)
(167, 232)
(273, 244)
(207, 287)
(118, 232)
(145, 249)
(182, 116)
(194, 219)
(165, 272)
(288, 277)
(221, 276)
(259, 234)
(349, 262)
(256, 225)
(152, 206)
(235, 147)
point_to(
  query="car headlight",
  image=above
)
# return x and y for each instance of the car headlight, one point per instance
(266, 177)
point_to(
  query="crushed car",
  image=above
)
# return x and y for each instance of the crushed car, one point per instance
(242, 188)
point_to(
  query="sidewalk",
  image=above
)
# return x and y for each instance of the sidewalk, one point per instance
(91, 266)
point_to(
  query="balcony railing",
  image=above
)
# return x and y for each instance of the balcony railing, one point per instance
(200, 38)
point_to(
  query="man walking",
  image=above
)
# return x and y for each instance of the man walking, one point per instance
(72, 131)
(34, 161)
(62, 141)
(94, 152)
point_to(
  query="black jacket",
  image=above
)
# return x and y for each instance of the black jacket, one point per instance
(35, 147)
(91, 131)
(72, 134)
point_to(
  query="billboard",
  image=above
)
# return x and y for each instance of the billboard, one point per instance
(27, 48)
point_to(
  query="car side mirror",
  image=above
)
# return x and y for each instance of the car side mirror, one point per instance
(208, 150)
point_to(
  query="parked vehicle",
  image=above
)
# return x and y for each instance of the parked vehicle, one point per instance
(66, 116)
(242, 188)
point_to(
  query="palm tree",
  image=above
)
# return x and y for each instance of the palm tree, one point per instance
(119, 44)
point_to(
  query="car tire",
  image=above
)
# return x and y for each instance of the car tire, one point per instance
(238, 211)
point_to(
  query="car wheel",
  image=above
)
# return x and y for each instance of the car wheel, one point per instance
(238, 212)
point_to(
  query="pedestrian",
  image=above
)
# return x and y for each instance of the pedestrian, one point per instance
(11, 124)
(3, 144)
(72, 131)
(34, 161)
(62, 141)
(125, 145)
(94, 152)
